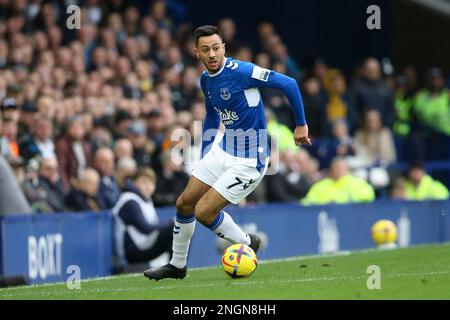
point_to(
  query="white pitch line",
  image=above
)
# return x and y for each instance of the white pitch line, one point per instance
(299, 258)
(246, 283)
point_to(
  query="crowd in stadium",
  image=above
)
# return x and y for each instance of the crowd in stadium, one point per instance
(82, 110)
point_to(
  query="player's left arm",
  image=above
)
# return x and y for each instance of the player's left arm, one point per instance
(260, 77)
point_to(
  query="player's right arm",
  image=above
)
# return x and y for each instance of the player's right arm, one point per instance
(210, 123)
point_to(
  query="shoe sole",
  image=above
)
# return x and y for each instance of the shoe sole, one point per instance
(159, 279)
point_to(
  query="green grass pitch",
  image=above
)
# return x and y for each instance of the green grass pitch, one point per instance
(420, 272)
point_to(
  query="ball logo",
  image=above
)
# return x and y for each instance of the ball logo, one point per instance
(231, 258)
(225, 94)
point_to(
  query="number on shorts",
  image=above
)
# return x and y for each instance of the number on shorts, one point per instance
(239, 181)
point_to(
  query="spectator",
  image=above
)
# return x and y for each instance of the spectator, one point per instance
(336, 87)
(432, 109)
(159, 14)
(404, 102)
(9, 108)
(421, 186)
(371, 92)
(109, 190)
(83, 195)
(432, 104)
(227, 28)
(139, 236)
(123, 121)
(289, 184)
(340, 144)
(374, 143)
(184, 96)
(339, 187)
(39, 143)
(314, 104)
(99, 137)
(49, 196)
(72, 151)
(142, 148)
(9, 131)
(5, 149)
(123, 149)
(126, 168)
(308, 165)
(171, 181)
(26, 118)
(398, 187)
(155, 127)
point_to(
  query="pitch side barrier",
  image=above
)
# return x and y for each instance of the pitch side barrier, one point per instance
(68, 246)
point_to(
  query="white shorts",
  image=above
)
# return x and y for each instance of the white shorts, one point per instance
(233, 177)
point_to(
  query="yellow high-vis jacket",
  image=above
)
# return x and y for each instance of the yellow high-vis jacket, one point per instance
(428, 189)
(347, 189)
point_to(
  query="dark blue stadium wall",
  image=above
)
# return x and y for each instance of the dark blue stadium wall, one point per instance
(334, 30)
(42, 247)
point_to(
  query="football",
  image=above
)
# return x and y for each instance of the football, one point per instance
(384, 232)
(239, 261)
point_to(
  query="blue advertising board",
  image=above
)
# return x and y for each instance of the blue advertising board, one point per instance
(293, 230)
(44, 247)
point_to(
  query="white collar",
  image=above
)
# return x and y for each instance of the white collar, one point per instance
(220, 71)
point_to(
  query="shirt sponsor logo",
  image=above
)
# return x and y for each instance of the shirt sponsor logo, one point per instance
(227, 116)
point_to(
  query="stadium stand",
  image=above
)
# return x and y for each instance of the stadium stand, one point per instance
(127, 79)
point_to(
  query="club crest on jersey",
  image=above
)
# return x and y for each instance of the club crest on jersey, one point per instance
(225, 94)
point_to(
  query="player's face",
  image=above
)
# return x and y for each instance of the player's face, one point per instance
(211, 51)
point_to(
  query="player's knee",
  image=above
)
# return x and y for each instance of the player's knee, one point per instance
(183, 206)
(203, 213)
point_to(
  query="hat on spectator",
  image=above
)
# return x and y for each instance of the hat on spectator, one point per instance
(29, 107)
(9, 103)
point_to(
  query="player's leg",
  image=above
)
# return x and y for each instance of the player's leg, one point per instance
(204, 175)
(183, 231)
(208, 212)
(185, 220)
(234, 185)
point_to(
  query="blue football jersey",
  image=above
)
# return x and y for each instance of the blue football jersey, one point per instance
(232, 96)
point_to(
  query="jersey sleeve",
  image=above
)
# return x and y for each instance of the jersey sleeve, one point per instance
(210, 124)
(255, 76)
